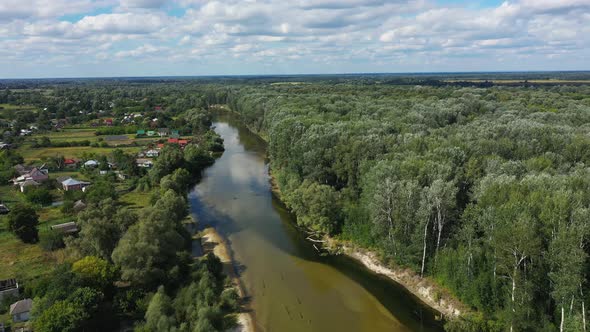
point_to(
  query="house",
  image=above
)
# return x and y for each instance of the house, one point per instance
(91, 164)
(146, 163)
(4, 209)
(108, 122)
(36, 174)
(73, 184)
(28, 183)
(160, 145)
(66, 228)
(20, 310)
(163, 132)
(173, 140)
(158, 108)
(5, 146)
(151, 133)
(70, 163)
(121, 176)
(79, 206)
(25, 132)
(140, 132)
(175, 133)
(152, 153)
(182, 142)
(103, 172)
(8, 288)
(22, 169)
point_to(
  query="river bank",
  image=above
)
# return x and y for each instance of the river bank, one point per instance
(425, 289)
(212, 241)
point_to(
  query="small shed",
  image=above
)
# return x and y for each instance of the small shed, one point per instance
(79, 205)
(140, 132)
(20, 310)
(66, 228)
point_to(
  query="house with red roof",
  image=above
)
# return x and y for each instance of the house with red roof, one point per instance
(173, 140)
(108, 122)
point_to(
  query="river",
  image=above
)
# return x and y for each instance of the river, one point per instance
(289, 285)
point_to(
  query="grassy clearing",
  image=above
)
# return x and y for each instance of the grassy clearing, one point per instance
(136, 199)
(69, 152)
(28, 261)
(11, 107)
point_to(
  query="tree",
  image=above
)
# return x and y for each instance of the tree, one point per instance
(94, 272)
(23, 221)
(101, 190)
(568, 264)
(102, 225)
(41, 196)
(170, 159)
(149, 249)
(316, 206)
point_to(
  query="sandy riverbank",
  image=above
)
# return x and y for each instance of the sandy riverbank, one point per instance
(424, 289)
(211, 240)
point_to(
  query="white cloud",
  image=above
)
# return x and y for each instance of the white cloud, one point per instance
(380, 33)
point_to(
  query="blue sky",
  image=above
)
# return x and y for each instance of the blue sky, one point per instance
(81, 38)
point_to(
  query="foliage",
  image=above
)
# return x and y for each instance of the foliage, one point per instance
(23, 221)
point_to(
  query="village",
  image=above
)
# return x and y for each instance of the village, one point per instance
(58, 169)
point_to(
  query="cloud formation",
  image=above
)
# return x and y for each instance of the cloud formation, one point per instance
(191, 37)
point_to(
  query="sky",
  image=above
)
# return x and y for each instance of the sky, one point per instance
(105, 38)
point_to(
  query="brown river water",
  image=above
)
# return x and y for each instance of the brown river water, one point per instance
(290, 286)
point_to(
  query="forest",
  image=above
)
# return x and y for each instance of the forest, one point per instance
(485, 190)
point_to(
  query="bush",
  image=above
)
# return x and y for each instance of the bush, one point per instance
(40, 196)
(52, 241)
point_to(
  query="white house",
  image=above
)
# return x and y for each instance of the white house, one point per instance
(91, 163)
(152, 153)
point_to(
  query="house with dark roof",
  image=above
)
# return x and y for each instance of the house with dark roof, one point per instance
(20, 310)
(8, 288)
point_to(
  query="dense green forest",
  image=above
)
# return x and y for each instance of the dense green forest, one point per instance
(484, 189)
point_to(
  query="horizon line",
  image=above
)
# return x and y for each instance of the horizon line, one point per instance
(300, 74)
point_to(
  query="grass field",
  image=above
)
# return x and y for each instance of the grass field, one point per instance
(69, 152)
(5, 107)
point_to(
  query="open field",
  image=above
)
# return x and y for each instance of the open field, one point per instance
(69, 152)
(5, 107)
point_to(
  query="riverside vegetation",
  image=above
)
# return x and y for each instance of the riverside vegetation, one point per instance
(484, 189)
(131, 265)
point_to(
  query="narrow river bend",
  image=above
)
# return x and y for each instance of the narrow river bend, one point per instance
(290, 286)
